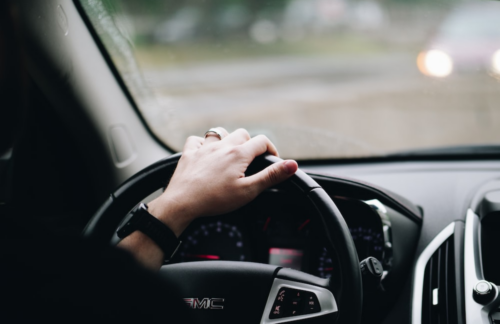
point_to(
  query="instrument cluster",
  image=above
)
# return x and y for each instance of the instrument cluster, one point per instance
(274, 231)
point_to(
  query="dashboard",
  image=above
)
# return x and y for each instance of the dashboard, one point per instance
(277, 229)
(413, 217)
(278, 232)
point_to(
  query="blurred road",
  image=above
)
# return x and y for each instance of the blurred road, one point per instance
(329, 106)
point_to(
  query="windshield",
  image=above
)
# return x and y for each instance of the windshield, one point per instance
(320, 78)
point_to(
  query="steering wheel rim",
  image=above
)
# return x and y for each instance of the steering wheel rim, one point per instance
(347, 288)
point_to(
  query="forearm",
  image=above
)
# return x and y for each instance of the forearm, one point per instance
(143, 248)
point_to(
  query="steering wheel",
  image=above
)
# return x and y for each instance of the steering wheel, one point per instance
(245, 292)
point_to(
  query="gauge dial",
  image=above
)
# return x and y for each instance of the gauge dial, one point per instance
(366, 230)
(213, 241)
(325, 264)
(368, 241)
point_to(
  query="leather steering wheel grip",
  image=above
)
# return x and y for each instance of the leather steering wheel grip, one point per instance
(347, 288)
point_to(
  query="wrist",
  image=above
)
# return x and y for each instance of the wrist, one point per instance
(148, 238)
(169, 211)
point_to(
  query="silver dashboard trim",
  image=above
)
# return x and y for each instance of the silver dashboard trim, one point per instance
(473, 272)
(325, 297)
(376, 204)
(418, 281)
(382, 212)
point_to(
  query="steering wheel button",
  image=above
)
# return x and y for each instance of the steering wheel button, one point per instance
(291, 302)
(281, 295)
(281, 304)
(312, 304)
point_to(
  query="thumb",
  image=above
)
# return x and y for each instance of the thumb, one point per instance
(273, 174)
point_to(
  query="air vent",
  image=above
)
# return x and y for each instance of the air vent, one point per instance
(438, 287)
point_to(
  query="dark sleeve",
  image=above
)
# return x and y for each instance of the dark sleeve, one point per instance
(72, 280)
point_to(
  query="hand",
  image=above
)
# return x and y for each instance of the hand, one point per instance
(209, 180)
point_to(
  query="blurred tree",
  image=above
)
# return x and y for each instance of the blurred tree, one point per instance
(214, 14)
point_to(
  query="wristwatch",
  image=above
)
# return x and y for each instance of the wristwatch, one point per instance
(160, 233)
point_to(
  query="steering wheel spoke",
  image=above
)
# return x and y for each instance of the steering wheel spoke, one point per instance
(223, 291)
(291, 301)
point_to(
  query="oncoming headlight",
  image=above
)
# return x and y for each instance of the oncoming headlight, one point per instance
(495, 62)
(435, 63)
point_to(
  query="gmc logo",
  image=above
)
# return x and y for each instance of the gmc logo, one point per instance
(205, 303)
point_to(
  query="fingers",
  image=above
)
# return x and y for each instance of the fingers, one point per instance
(252, 147)
(238, 137)
(271, 176)
(258, 145)
(193, 143)
(213, 137)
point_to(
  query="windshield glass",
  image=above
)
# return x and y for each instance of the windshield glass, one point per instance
(320, 78)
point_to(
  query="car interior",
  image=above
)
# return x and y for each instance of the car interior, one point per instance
(421, 245)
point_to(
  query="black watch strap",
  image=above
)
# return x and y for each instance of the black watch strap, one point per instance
(160, 233)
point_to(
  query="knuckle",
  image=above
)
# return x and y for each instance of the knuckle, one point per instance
(212, 147)
(263, 138)
(192, 139)
(235, 150)
(244, 132)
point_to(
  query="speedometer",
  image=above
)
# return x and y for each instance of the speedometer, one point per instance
(368, 241)
(213, 241)
(369, 227)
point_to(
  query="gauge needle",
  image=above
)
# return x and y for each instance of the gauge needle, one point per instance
(203, 256)
(304, 224)
(268, 220)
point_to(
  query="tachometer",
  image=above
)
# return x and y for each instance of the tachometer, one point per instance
(367, 231)
(368, 241)
(325, 264)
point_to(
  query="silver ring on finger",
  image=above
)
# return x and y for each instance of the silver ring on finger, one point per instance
(214, 131)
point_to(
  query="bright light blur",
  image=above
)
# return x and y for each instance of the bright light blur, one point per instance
(435, 63)
(496, 62)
